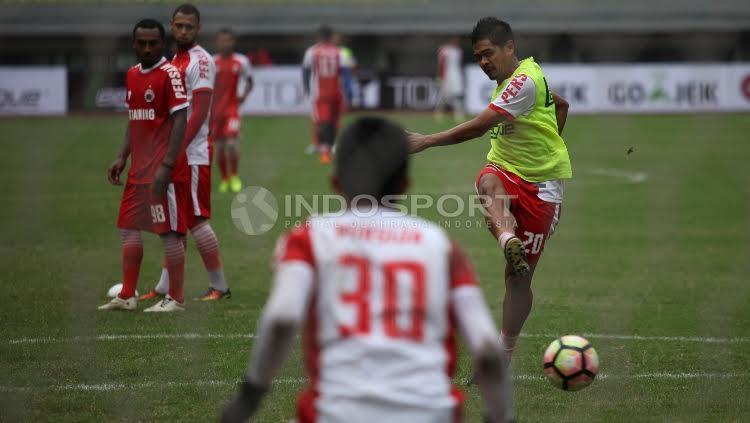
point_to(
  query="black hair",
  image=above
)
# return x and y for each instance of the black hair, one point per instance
(149, 24)
(227, 31)
(372, 158)
(325, 32)
(493, 29)
(187, 9)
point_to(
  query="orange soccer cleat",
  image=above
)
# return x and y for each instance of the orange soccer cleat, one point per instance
(212, 294)
(150, 296)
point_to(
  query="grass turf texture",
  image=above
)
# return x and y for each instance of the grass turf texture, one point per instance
(668, 256)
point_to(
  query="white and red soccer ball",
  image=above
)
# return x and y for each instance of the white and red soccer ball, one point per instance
(571, 363)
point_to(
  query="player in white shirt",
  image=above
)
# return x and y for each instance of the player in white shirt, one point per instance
(380, 295)
(450, 75)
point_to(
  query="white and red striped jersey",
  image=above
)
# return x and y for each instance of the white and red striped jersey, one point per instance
(325, 62)
(199, 71)
(379, 332)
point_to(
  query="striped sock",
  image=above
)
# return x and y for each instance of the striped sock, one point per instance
(162, 287)
(132, 254)
(208, 247)
(174, 255)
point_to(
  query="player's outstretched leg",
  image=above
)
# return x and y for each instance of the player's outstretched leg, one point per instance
(501, 222)
(132, 254)
(174, 255)
(208, 247)
(516, 307)
(233, 156)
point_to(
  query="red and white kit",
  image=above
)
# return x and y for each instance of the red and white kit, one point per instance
(152, 96)
(199, 71)
(325, 62)
(232, 73)
(382, 298)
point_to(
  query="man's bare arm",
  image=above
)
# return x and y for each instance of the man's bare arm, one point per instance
(561, 111)
(474, 128)
(246, 92)
(176, 137)
(116, 168)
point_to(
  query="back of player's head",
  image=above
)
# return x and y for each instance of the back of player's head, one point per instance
(493, 29)
(187, 9)
(372, 158)
(325, 33)
(149, 24)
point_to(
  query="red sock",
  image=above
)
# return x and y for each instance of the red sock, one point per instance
(174, 255)
(223, 164)
(208, 245)
(234, 159)
(132, 254)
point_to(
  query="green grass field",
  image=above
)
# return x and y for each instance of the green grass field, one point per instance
(651, 257)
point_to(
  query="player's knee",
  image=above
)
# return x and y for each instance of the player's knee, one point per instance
(490, 185)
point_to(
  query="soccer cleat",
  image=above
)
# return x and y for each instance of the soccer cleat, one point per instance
(325, 157)
(515, 254)
(118, 303)
(150, 295)
(223, 186)
(235, 184)
(166, 305)
(213, 294)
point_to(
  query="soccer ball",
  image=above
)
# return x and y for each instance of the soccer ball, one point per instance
(115, 289)
(571, 363)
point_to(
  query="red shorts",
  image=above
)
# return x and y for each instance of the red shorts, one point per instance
(226, 125)
(536, 207)
(200, 193)
(327, 110)
(140, 210)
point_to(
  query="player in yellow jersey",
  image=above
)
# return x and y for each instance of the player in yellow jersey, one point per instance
(521, 184)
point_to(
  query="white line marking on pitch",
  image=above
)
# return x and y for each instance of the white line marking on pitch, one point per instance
(199, 336)
(117, 386)
(634, 177)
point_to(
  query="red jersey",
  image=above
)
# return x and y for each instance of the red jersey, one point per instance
(325, 62)
(232, 73)
(153, 94)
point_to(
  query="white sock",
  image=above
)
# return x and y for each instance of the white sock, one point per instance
(504, 237)
(163, 286)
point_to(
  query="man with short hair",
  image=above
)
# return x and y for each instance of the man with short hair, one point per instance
(527, 163)
(234, 82)
(380, 294)
(156, 194)
(199, 71)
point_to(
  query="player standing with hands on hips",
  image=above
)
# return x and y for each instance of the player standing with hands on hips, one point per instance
(380, 294)
(522, 182)
(155, 197)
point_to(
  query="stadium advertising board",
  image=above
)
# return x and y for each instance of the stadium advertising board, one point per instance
(33, 90)
(636, 88)
(277, 90)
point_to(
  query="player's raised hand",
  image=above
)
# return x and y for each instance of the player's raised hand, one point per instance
(161, 180)
(417, 142)
(114, 171)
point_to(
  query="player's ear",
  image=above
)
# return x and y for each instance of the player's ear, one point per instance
(510, 46)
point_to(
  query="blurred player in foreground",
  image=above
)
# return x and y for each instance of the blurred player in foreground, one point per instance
(451, 78)
(522, 183)
(380, 293)
(198, 69)
(327, 79)
(156, 194)
(234, 82)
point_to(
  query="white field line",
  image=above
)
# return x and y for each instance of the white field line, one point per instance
(118, 386)
(200, 336)
(634, 177)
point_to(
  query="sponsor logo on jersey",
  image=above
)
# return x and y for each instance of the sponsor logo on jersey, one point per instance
(142, 114)
(513, 87)
(149, 95)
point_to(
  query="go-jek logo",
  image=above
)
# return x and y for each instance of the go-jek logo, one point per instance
(660, 90)
(254, 210)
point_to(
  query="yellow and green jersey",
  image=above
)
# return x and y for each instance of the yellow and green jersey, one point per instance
(528, 143)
